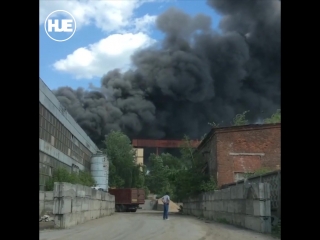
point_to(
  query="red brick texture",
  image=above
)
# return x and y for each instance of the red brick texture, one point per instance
(248, 140)
(242, 149)
(243, 164)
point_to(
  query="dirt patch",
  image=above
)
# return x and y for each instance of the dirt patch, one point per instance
(46, 225)
(128, 226)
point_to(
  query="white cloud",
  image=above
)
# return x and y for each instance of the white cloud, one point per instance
(144, 23)
(127, 33)
(109, 53)
(107, 15)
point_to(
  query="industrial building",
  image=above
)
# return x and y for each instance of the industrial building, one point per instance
(63, 143)
(232, 152)
(139, 156)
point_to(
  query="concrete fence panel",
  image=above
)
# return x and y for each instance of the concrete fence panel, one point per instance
(247, 205)
(73, 204)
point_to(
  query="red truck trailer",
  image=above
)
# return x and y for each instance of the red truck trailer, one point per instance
(127, 199)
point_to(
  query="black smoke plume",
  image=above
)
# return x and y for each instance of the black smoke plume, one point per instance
(196, 76)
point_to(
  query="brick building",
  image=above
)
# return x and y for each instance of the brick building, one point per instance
(231, 152)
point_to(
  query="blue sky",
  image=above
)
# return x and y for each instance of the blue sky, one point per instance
(107, 34)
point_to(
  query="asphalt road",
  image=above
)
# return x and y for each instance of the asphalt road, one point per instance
(144, 225)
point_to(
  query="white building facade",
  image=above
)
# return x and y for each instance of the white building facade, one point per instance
(62, 142)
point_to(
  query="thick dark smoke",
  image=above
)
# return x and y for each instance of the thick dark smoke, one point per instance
(196, 76)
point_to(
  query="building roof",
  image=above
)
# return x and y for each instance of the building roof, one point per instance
(248, 127)
(47, 99)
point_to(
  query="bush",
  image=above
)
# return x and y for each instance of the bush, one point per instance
(258, 172)
(63, 175)
(275, 118)
(147, 192)
(276, 230)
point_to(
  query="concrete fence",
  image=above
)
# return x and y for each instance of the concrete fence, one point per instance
(274, 179)
(247, 205)
(45, 203)
(75, 204)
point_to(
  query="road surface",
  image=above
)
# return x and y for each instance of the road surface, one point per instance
(145, 225)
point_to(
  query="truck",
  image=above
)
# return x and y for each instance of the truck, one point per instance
(127, 199)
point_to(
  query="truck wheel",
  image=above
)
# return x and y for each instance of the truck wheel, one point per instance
(122, 208)
(117, 208)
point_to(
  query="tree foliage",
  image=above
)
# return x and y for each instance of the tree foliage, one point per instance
(240, 119)
(194, 173)
(275, 118)
(123, 171)
(182, 177)
(63, 175)
(213, 124)
(258, 172)
(158, 177)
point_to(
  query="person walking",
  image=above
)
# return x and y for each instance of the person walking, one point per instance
(166, 201)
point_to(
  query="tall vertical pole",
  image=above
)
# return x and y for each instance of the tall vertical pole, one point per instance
(157, 151)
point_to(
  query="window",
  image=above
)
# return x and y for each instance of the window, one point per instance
(41, 109)
(42, 133)
(48, 137)
(46, 125)
(52, 140)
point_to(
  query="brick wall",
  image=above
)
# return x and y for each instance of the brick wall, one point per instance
(209, 153)
(246, 149)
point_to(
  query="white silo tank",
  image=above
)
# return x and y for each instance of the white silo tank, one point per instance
(100, 170)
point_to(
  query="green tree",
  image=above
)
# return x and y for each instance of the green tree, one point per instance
(114, 179)
(158, 177)
(240, 119)
(190, 179)
(182, 177)
(121, 155)
(138, 176)
(171, 162)
(275, 118)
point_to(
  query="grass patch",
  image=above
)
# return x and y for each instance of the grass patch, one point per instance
(63, 175)
(222, 220)
(276, 231)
